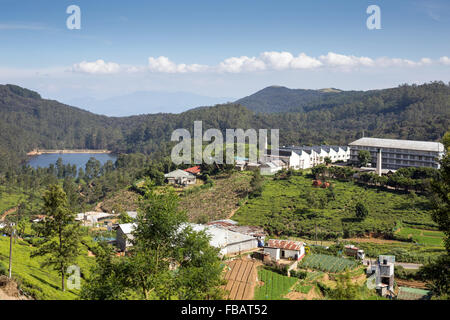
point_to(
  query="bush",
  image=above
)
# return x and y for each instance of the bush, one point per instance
(299, 274)
(3, 270)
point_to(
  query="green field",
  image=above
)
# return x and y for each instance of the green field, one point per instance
(327, 263)
(41, 283)
(275, 287)
(294, 208)
(424, 237)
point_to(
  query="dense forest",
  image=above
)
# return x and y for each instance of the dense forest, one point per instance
(408, 112)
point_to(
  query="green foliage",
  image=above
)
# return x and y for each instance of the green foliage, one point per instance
(275, 286)
(256, 184)
(345, 289)
(29, 122)
(327, 263)
(364, 158)
(60, 243)
(361, 211)
(42, 283)
(438, 273)
(294, 207)
(168, 259)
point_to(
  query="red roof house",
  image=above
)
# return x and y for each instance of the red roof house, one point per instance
(194, 170)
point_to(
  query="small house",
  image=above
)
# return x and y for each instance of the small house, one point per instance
(180, 177)
(285, 249)
(124, 235)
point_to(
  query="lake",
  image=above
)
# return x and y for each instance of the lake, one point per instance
(78, 159)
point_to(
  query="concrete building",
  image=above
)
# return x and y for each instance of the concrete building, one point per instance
(396, 154)
(229, 242)
(383, 270)
(285, 249)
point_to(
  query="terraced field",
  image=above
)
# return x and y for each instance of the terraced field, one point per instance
(241, 277)
(425, 237)
(275, 286)
(294, 208)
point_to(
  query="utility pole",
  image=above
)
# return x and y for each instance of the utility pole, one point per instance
(315, 227)
(10, 249)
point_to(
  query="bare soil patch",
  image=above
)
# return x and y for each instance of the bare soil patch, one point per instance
(241, 276)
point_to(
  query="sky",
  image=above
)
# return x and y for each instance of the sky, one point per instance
(220, 48)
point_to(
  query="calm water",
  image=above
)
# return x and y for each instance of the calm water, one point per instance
(78, 159)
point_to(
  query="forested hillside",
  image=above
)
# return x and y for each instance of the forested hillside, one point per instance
(408, 112)
(281, 99)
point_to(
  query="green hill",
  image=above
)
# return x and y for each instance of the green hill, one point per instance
(407, 112)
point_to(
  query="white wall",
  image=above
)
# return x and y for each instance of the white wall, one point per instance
(273, 252)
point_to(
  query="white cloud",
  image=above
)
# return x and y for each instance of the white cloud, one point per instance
(96, 67)
(339, 60)
(241, 64)
(445, 60)
(286, 60)
(266, 61)
(164, 65)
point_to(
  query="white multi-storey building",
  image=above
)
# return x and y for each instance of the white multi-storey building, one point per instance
(396, 154)
(305, 157)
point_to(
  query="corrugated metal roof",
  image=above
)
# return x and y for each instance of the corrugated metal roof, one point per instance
(193, 170)
(179, 174)
(399, 144)
(284, 244)
(127, 228)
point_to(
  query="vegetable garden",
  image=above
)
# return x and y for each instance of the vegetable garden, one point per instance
(328, 263)
(275, 287)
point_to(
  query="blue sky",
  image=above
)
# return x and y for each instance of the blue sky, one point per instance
(120, 43)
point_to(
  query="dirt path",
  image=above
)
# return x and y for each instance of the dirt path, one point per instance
(12, 210)
(232, 213)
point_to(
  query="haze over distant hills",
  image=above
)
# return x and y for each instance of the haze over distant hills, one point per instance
(145, 102)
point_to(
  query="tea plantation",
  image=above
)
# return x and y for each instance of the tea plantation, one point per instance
(295, 208)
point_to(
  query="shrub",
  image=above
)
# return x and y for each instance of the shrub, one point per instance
(3, 270)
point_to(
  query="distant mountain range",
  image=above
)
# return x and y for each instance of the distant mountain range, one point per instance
(145, 102)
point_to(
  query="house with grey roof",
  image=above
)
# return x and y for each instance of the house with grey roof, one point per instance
(180, 177)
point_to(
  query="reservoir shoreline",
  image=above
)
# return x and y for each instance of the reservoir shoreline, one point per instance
(38, 152)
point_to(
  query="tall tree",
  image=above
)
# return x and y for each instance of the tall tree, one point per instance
(168, 259)
(438, 272)
(361, 211)
(364, 158)
(61, 236)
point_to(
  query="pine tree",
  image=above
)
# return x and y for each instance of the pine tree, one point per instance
(61, 234)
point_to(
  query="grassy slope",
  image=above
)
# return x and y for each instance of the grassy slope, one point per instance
(286, 203)
(41, 283)
(218, 201)
(9, 199)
